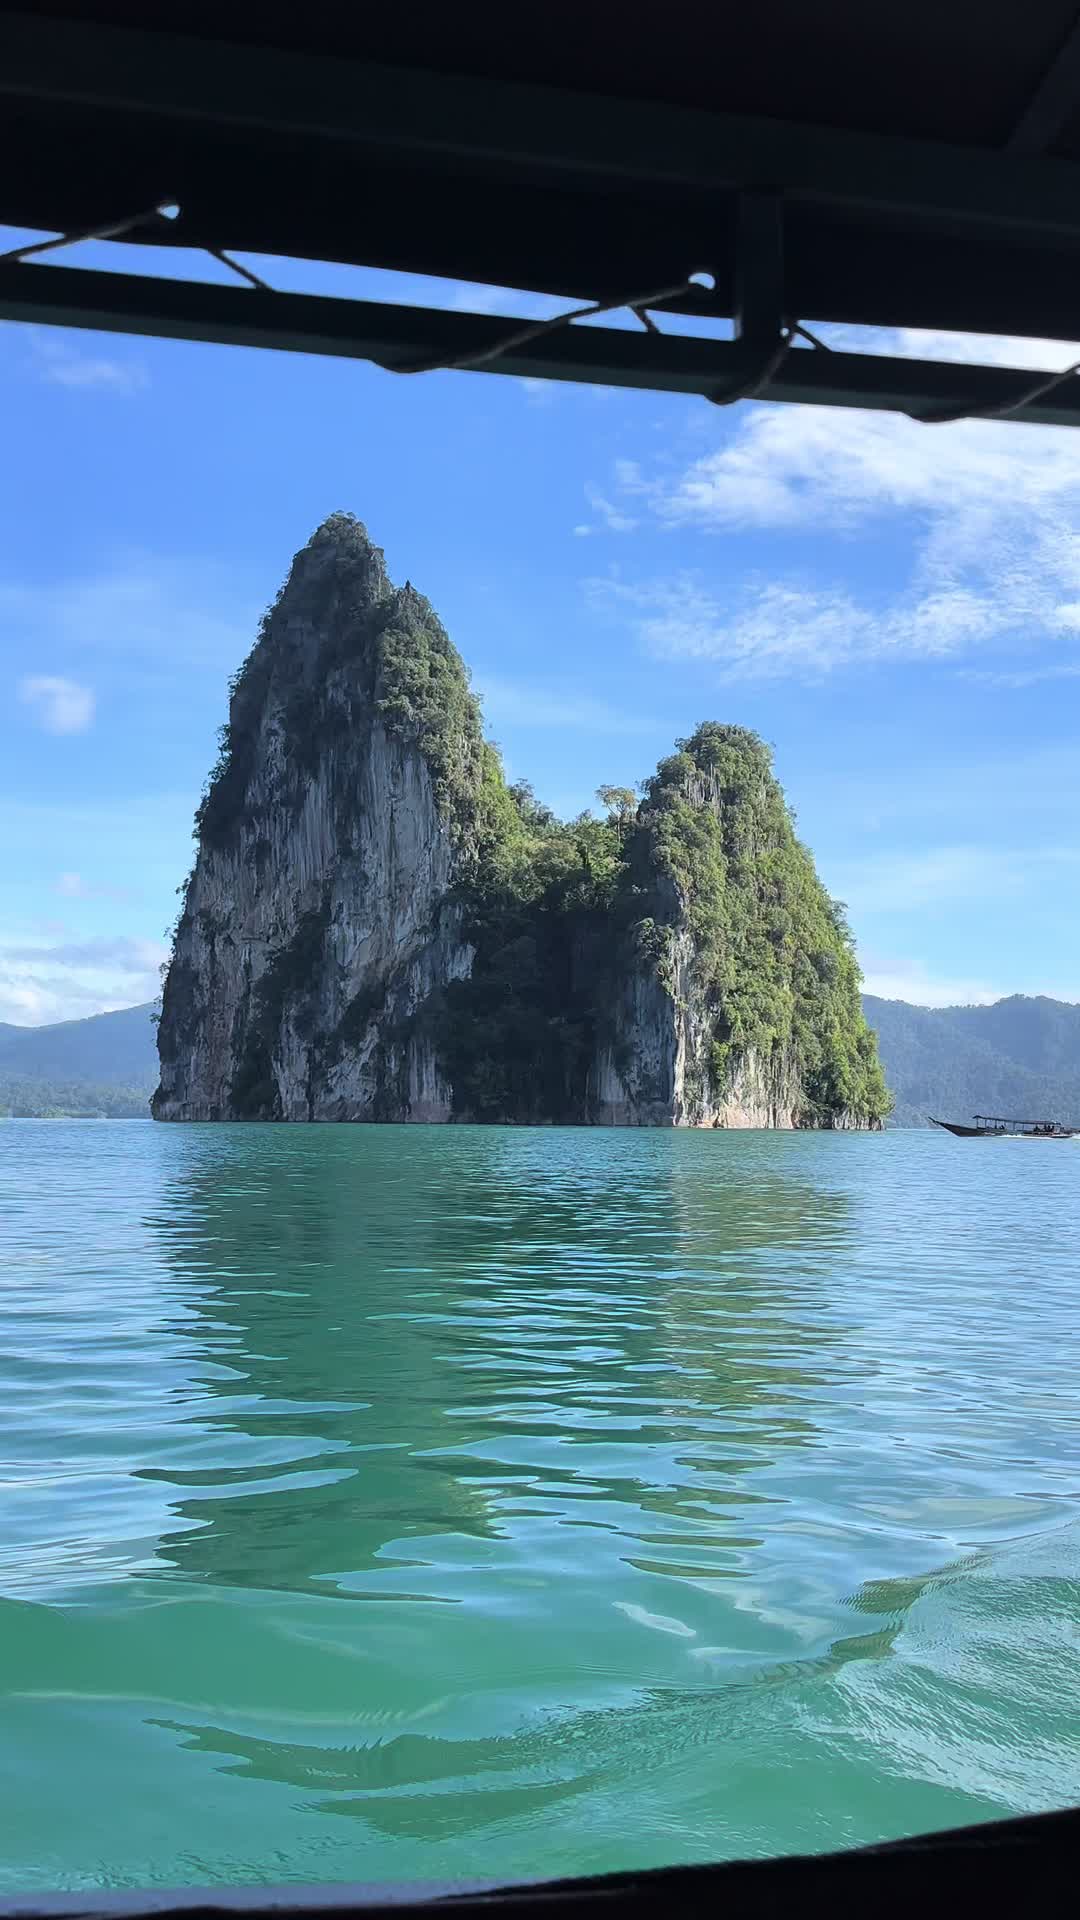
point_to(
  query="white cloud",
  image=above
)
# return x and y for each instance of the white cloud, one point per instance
(61, 706)
(913, 983)
(970, 349)
(66, 979)
(463, 296)
(538, 393)
(814, 466)
(764, 629)
(767, 628)
(610, 517)
(991, 515)
(119, 951)
(911, 980)
(58, 360)
(22, 1005)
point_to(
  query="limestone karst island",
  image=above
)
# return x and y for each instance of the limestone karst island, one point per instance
(378, 928)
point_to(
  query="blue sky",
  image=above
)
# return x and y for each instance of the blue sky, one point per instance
(896, 608)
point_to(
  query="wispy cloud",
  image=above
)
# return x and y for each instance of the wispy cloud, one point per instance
(953, 785)
(525, 704)
(538, 393)
(59, 360)
(162, 614)
(970, 349)
(951, 877)
(72, 886)
(609, 518)
(990, 516)
(1022, 676)
(463, 296)
(763, 628)
(901, 980)
(65, 979)
(814, 466)
(120, 952)
(59, 705)
(923, 986)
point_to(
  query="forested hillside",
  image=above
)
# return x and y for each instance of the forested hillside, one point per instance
(106, 1064)
(1019, 1057)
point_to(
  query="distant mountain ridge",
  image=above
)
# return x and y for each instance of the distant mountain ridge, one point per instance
(104, 1064)
(1019, 1057)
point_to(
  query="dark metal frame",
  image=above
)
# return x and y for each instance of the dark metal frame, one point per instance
(1054, 100)
(396, 337)
(560, 193)
(547, 131)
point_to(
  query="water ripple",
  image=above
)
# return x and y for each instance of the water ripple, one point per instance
(528, 1501)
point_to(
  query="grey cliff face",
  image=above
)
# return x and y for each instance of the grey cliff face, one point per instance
(653, 1072)
(357, 847)
(317, 923)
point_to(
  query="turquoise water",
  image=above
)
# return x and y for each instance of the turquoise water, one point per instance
(400, 1503)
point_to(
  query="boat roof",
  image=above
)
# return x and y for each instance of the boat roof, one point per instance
(912, 167)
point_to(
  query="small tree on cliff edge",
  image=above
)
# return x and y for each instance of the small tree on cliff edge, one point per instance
(621, 804)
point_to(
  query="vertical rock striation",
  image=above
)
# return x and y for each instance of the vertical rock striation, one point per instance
(736, 999)
(318, 920)
(377, 928)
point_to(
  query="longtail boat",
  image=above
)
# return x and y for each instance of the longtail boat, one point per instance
(993, 1127)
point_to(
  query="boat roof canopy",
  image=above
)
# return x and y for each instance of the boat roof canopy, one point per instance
(914, 167)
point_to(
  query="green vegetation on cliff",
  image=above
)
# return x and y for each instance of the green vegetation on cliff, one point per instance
(772, 954)
(518, 1037)
(688, 923)
(568, 909)
(396, 660)
(1020, 1056)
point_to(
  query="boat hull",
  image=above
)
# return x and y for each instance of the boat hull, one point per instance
(1006, 1132)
